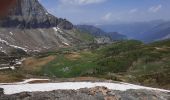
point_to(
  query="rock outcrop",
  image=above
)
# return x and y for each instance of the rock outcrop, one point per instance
(1, 91)
(97, 93)
(28, 26)
(31, 14)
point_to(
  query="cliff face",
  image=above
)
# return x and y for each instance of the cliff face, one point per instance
(5, 5)
(31, 14)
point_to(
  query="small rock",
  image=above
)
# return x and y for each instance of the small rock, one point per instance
(111, 98)
(1, 91)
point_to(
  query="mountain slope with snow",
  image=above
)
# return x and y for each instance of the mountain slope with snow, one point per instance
(28, 26)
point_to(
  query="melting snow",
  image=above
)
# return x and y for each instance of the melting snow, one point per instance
(11, 33)
(1, 50)
(14, 46)
(57, 29)
(3, 68)
(13, 88)
(66, 43)
(3, 41)
(19, 47)
(12, 67)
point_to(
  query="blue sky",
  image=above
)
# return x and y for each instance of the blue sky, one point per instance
(108, 11)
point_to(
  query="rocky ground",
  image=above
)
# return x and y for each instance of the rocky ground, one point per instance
(97, 93)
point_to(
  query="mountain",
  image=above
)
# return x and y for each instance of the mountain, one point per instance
(99, 34)
(159, 32)
(116, 36)
(144, 31)
(28, 26)
(31, 14)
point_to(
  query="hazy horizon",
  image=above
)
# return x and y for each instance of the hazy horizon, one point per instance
(108, 11)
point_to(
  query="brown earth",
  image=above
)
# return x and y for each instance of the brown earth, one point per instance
(34, 64)
(73, 56)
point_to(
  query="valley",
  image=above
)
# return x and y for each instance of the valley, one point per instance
(126, 61)
(44, 57)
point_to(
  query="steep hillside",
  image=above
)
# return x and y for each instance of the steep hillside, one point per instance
(31, 14)
(28, 26)
(99, 34)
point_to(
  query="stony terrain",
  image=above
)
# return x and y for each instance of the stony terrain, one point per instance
(29, 31)
(28, 26)
(97, 93)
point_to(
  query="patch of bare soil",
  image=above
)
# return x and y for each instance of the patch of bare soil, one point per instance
(73, 56)
(4, 78)
(39, 81)
(35, 64)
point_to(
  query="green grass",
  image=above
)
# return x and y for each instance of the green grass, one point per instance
(64, 67)
(84, 36)
(129, 60)
(119, 57)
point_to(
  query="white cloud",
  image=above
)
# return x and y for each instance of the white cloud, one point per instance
(81, 2)
(133, 10)
(155, 9)
(107, 17)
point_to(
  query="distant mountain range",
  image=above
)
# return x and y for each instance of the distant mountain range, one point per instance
(29, 27)
(99, 33)
(159, 32)
(144, 31)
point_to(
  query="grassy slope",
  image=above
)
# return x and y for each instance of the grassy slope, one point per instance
(125, 61)
(130, 61)
(84, 36)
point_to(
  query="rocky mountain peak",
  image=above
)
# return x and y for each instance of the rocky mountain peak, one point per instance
(28, 26)
(31, 14)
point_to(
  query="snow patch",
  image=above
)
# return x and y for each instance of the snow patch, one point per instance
(1, 50)
(57, 29)
(65, 43)
(11, 33)
(13, 88)
(14, 46)
(3, 41)
(12, 67)
(19, 48)
(3, 68)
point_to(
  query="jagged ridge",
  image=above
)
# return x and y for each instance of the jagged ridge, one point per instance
(31, 14)
(28, 26)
